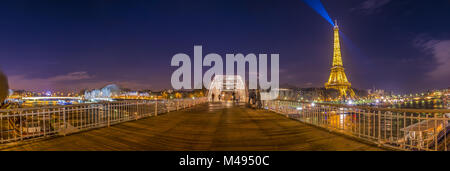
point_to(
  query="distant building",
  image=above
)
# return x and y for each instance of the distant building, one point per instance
(106, 93)
(319, 94)
(308, 94)
(374, 93)
(446, 97)
(287, 94)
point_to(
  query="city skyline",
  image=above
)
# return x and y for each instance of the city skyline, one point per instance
(89, 44)
(224, 83)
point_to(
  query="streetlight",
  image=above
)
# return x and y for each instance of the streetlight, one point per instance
(350, 102)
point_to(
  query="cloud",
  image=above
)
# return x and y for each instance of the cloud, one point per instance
(21, 82)
(71, 76)
(95, 84)
(71, 81)
(27, 83)
(371, 6)
(440, 52)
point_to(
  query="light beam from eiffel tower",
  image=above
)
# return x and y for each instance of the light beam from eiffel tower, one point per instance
(338, 79)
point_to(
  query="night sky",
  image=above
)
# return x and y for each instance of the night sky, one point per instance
(397, 45)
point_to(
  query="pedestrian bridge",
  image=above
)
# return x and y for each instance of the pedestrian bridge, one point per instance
(191, 126)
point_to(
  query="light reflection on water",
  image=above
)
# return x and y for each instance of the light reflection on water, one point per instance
(390, 125)
(420, 104)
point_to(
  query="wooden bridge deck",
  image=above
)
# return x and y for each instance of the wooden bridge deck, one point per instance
(207, 127)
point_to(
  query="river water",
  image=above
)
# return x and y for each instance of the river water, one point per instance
(419, 104)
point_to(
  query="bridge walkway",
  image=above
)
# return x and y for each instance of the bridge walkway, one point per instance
(213, 126)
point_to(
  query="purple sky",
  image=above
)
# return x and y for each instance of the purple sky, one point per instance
(400, 45)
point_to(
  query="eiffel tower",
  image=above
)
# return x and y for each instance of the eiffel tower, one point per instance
(338, 80)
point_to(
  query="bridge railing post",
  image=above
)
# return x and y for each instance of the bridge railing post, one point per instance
(64, 121)
(277, 107)
(43, 123)
(156, 107)
(169, 104)
(108, 114)
(435, 132)
(137, 110)
(379, 128)
(445, 120)
(21, 126)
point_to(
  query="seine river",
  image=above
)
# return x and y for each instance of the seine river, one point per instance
(420, 104)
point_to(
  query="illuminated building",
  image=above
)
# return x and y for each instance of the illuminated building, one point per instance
(103, 94)
(338, 80)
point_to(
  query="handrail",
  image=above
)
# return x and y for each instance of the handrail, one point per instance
(380, 109)
(23, 124)
(82, 104)
(405, 129)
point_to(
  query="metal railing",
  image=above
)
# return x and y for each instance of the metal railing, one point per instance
(30, 123)
(405, 129)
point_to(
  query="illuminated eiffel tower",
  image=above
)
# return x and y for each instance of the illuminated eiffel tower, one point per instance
(338, 80)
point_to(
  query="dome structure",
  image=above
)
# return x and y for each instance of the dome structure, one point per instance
(103, 94)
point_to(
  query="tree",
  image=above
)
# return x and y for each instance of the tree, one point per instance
(4, 87)
(165, 95)
(178, 95)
